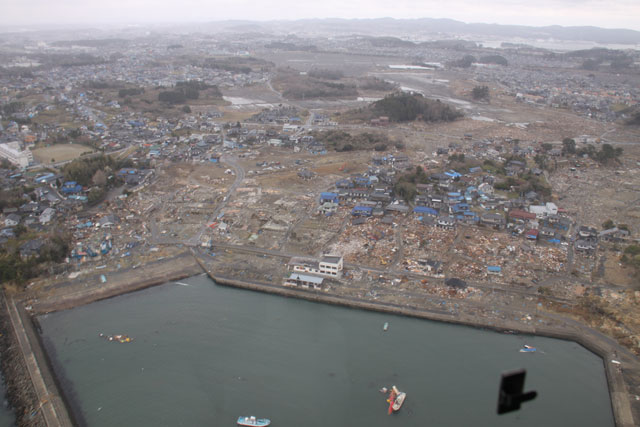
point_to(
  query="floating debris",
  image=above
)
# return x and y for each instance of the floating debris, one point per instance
(121, 338)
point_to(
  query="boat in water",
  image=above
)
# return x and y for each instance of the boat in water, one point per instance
(253, 421)
(396, 399)
(386, 326)
(527, 349)
(399, 401)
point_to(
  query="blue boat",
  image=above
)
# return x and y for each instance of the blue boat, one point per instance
(253, 421)
(527, 349)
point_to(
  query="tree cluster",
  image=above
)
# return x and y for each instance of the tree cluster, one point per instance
(525, 183)
(480, 92)
(193, 84)
(11, 198)
(464, 62)
(71, 60)
(14, 268)
(404, 107)
(98, 84)
(456, 158)
(405, 186)
(83, 170)
(291, 46)
(604, 155)
(493, 59)
(634, 119)
(130, 92)
(178, 96)
(344, 141)
(593, 58)
(374, 83)
(568, 146)
(296, 86)
(12, 108)
(631, 258)
(186, 90)
(323, 73)
(238, 65)
(175, 96)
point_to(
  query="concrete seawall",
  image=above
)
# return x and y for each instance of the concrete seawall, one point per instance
(595, 342)
(51, 404)
(118, 283)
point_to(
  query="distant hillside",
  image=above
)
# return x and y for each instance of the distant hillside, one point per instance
(384, 29)
(404, 107)
(426, 26)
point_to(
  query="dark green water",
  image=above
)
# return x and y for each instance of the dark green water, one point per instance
(204, 354)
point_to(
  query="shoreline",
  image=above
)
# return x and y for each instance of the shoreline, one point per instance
(186, 265)
(177, 267)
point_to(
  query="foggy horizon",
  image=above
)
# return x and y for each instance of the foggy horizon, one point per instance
(621, 14)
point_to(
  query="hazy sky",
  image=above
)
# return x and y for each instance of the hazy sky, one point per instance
(608, 14)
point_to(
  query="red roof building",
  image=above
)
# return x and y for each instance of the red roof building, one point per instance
(522, 215)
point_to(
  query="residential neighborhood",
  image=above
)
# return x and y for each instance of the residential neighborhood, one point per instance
(359, 169)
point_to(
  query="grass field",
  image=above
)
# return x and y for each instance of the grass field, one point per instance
(60, 152)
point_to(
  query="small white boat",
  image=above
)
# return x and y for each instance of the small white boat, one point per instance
(253, 421)
(527, 349)
(397, 404)
(386, 326)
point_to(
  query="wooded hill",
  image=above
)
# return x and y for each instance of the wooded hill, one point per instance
(404, 107)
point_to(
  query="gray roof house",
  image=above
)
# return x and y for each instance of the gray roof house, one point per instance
(12, 220)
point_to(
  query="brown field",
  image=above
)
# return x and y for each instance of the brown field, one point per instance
(617, 273)
(60, 152)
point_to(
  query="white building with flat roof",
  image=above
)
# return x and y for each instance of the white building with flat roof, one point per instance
(329, 265)
(13, 152)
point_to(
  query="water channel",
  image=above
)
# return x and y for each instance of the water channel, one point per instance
(203, 354)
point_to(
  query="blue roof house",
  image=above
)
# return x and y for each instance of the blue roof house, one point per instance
(362, 211)
(329, 197)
